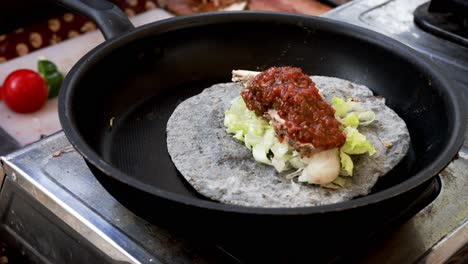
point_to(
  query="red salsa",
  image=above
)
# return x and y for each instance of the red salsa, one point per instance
(308, 118)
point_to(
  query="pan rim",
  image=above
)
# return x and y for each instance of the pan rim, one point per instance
(450, 97)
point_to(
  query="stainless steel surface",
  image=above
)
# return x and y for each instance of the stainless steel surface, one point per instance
(431, 226)
(445, 248)
(29, 169)
(45, 194)
(394, 18)
(72, 193)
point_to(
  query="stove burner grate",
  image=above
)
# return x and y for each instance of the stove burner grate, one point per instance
(447, 25)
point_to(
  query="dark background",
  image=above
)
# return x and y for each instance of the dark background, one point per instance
(18, 13)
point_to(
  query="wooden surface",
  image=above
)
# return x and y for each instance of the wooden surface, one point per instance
(309, 7)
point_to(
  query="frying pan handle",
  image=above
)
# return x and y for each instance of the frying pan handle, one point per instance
(108, 17)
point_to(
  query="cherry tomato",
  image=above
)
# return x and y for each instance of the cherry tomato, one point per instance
(24, 91)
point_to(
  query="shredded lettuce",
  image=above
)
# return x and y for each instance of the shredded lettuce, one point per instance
(351, 120)
(351, 113)
(340, 181)
(260, 152)
(281, 151)
(356, 143)
(340, 106)
(239, 120)
(365, 118)
(259, 136)
(346, 164)
(250, 139)
(296, 161)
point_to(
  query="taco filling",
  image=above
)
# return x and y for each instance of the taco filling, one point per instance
(283, 119)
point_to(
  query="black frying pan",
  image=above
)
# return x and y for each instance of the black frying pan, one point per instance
(139, 75)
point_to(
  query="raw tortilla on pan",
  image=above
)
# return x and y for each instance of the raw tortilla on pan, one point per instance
(223, 169)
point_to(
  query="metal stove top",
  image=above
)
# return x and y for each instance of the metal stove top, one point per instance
(54, 209)
(394, 18)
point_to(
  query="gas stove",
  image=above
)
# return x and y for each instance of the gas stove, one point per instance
(55, 210)
(447, 19)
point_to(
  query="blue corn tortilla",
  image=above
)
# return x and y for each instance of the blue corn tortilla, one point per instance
(223, 169)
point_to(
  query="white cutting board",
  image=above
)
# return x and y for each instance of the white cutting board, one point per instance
(27, 128)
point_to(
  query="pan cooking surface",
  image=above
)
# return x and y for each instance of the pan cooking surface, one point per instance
(136, 143)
